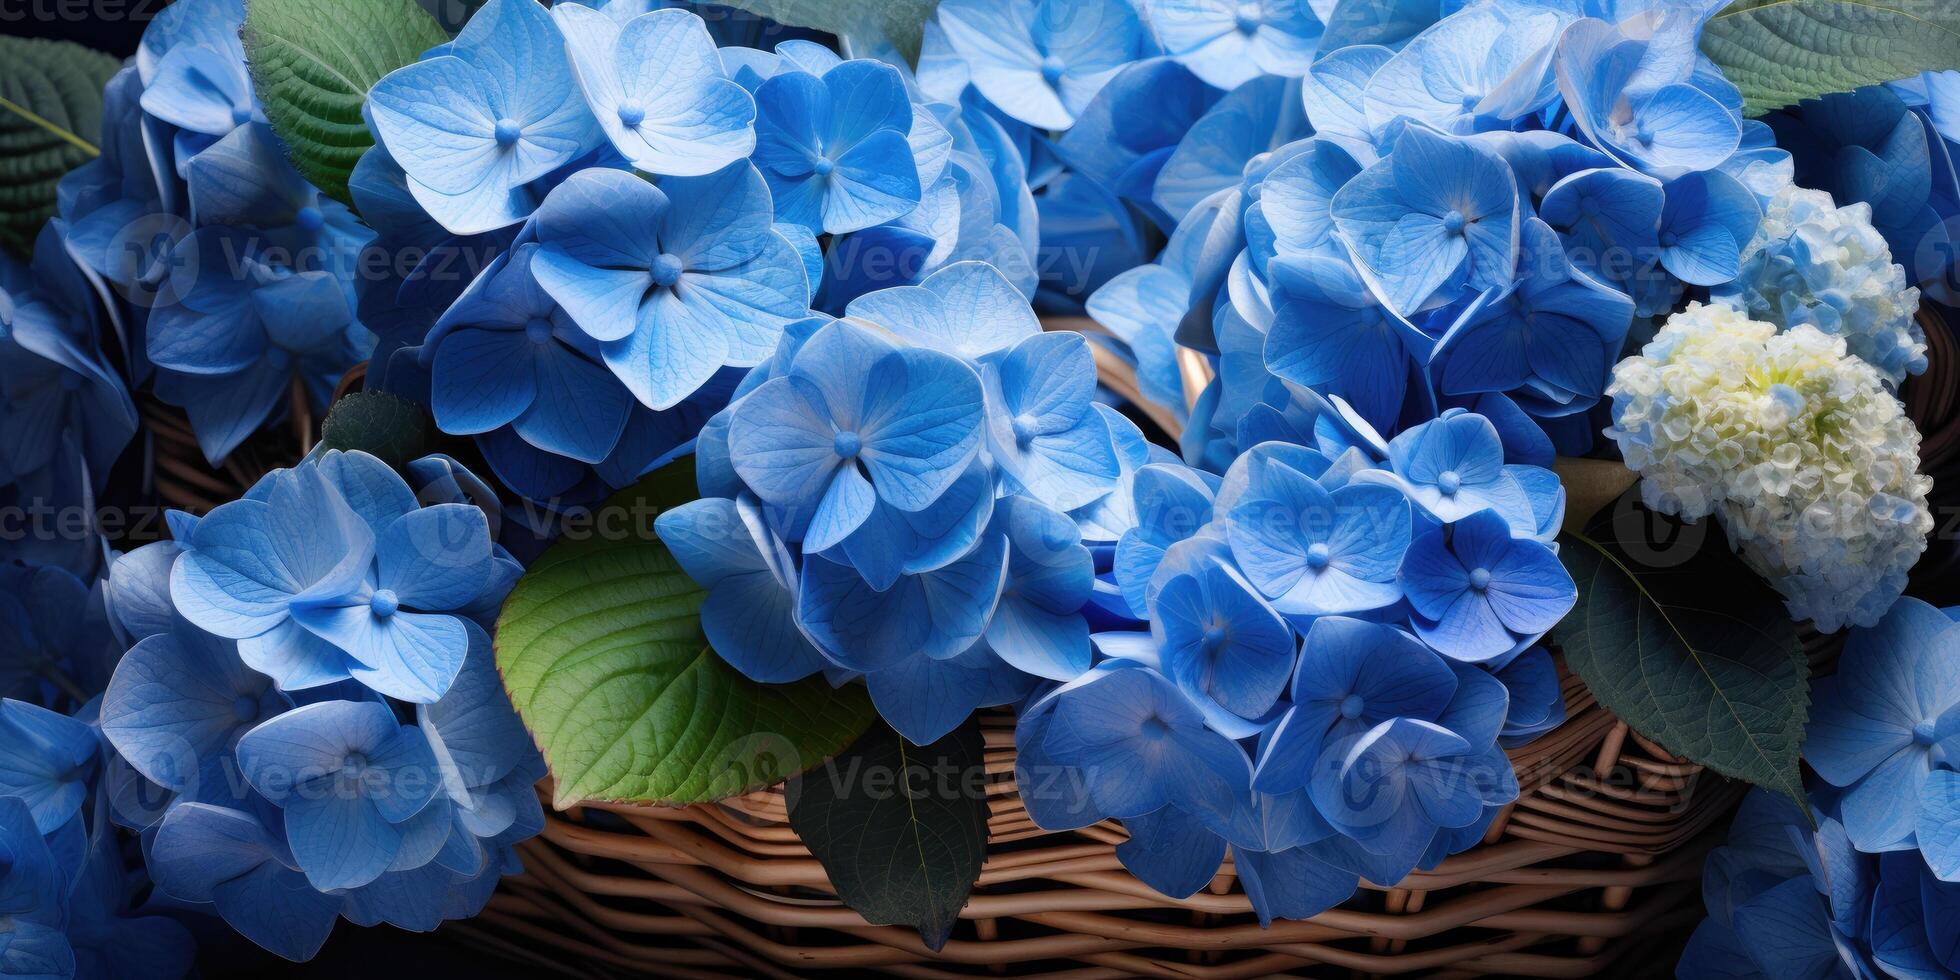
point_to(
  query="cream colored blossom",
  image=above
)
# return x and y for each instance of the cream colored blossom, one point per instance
(1798, 448)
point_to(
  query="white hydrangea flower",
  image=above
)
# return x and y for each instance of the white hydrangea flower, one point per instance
(1798, 448)
(1815, 263)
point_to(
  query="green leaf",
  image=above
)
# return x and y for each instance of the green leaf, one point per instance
(313, 62)
(901, 830)
(50, 119)
(377, 423)
(1686, 644)
(601, 649)
(862, 22)
(1780, 52)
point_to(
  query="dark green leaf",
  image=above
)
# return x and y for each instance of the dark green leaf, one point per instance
(861, 22)
(1780, 52)
(601, 649)
(50, 121)
(313, 62)
(1684, 643)
(377, 423)
(901, 830)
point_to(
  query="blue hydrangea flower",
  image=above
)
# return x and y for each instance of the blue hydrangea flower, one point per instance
(1708, 219)
(893, 542)
(1041, 61)
(1329, 333)
(231, 859)
(967, 309)
(33, 899)
(1171, 851)
(1296, 197)
(110, 937)
(1037, 627)
(924, 698)
(1877, 721)
(1334, 93)
(347, 776)
(749, 616)
(856, 421)
(49, 762)
(1353, 675)
(1474, 70)
(60, 394)
(507, 354)
(674, 282)
(244, 180)
(1172, 503)
(656, 84)
(1134, 125)
(1788, 895)
(1230, 42)
(496, 110)
(1041, 430)
(1316, 552)
(41, 632)
(834, 148)
(331, 571)
(1140, 744)
(1478, 592)
(1291, 884)
(1549, 339)
(177, 705)
(1240, 134)
(1439, 213)
(1142, 307)
(489, 766)
(938, 614)
(1453, 466)
(1537, 703)
(1220, 640)
(203, 87)
(1392, 788)
(241, 331)
(1642, 110)
(1607, 217)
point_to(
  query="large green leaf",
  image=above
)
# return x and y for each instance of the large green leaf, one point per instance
(313, 62)
(1684, 643)
(50, 119)
(901, 830)
(861, 22)
(601, 649)
(1779, 52)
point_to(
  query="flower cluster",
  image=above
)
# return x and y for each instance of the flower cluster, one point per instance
(1338, 640)
(615, 313)
(911, 494)
(1797, 447)
(71, 907)
(65, 415)
(1475, 220)
(230, 277)
(308, 723)
(1865, 884)
(1815, 263)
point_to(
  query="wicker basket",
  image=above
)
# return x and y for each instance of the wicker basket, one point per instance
(1602, 851)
